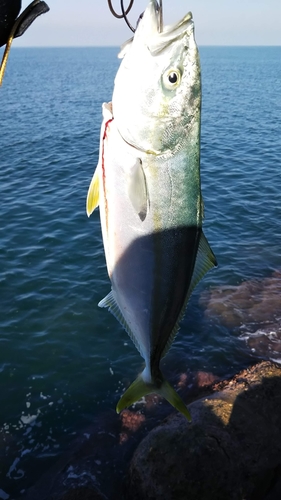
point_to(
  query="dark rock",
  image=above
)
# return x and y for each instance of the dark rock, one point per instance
(82, 494)
(232, 449)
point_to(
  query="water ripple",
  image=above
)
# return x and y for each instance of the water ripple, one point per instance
(56, 346)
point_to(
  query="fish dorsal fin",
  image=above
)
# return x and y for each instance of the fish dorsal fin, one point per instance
(205, 260)
(93, 193)
(110, 302)
(137, 189)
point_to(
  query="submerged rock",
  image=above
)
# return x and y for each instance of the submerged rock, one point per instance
(252, 310)
(231, 450)
(254, 301)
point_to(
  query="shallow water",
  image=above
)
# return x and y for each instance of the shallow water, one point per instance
(63, 361)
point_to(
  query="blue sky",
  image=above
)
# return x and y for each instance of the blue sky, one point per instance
(217, 22)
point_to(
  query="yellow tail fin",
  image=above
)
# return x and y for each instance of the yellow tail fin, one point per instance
(140, 388)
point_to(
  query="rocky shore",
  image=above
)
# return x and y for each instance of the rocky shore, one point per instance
(230, 451)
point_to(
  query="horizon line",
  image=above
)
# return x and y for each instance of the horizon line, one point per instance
(118, 46)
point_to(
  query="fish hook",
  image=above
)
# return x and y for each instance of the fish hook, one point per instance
(126, 12)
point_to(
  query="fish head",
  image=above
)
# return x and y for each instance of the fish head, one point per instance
(157, 90)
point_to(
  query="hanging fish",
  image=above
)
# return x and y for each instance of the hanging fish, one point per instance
(147, 185)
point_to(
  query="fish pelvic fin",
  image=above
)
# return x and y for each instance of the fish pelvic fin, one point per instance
(140, 388)
(93, 193)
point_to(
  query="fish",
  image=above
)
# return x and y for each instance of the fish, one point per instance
(148, 189)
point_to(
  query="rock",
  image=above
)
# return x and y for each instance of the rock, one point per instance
(254, 301)
(231, 450)
(83, 494)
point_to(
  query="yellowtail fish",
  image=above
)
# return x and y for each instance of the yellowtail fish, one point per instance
(147, 185)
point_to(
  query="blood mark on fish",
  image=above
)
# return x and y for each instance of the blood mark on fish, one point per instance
(103, 171)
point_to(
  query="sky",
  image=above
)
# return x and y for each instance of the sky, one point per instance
(217, 22)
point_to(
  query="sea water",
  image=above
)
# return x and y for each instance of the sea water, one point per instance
(63, 360)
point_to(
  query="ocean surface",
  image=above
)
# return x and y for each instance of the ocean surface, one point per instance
(64, 361)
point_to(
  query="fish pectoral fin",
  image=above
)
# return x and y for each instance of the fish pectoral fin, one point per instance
(140, 388)
(137, 190)
(93, 193)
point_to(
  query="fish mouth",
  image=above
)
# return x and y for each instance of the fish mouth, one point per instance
(151, 32)
(151, 27)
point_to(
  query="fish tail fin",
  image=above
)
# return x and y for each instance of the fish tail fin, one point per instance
(169, 393)
(140, 388)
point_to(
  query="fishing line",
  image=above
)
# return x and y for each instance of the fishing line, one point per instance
(119, 16)
(126, 12)
(125, 17)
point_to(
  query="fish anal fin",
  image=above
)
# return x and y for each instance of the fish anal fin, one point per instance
(111, 304)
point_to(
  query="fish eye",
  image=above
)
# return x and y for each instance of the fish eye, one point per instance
(171, 78)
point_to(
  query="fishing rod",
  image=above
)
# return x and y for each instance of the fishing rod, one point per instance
(12, 26)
